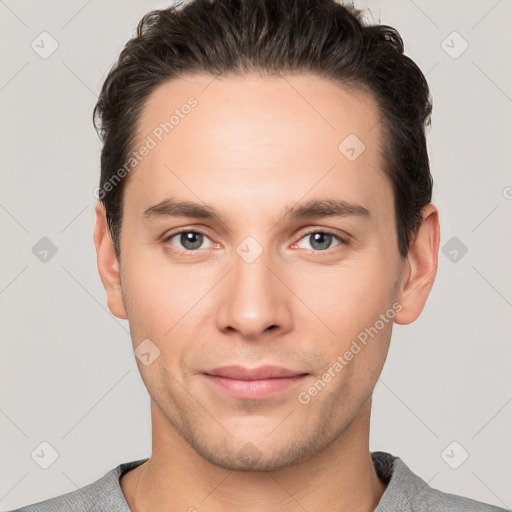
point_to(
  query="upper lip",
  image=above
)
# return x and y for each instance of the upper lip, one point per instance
(262, 372)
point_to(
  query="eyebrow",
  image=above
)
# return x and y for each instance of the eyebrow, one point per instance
(175, 208)
(310, 210)
(326, 208)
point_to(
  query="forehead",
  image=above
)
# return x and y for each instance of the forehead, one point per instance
(265, 108)
(268, 135)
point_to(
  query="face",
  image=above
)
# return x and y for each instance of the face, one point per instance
(251, 237)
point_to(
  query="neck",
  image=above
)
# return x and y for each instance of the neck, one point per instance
(340, 477)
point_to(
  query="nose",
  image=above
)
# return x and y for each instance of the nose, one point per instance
(254, 302)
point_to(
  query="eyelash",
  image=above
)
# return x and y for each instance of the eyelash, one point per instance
(342, 241)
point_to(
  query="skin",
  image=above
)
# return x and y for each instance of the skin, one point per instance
(252, 147)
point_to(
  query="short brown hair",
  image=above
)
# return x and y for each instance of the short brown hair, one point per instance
(320, 37)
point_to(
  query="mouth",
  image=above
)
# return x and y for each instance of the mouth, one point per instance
(253, 384)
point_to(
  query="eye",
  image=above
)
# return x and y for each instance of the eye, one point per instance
(319, 241)
(189, 240)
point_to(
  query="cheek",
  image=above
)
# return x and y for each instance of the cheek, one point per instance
(350, 296)
(163, 298)
(151, 295)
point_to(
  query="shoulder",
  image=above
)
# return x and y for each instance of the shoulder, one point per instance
(407, 492)
(103, 494)
(438, 500)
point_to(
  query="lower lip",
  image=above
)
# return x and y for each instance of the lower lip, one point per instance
(254, 389)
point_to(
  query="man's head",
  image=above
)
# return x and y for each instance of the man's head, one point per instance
(282, 218)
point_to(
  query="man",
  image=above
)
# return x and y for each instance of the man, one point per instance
(265, 217)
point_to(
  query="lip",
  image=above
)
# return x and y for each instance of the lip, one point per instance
(253, 384)
(262, 372)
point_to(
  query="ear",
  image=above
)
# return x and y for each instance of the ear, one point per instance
(108, 265)
(420, 268)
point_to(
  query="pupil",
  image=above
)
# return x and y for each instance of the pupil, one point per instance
(191, 240)
(320, 240)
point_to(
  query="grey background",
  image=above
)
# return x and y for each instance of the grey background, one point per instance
(68, 374)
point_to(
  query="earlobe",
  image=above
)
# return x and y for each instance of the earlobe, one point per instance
(108, 264)
(421, 267)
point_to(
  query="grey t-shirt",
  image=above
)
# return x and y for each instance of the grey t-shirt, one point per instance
(405, 492)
